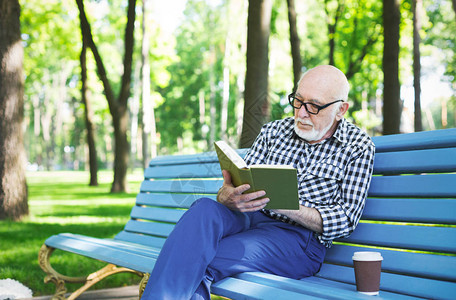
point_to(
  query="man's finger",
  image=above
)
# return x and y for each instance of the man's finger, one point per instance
(254, 205)
(242, 188)
(253, 195)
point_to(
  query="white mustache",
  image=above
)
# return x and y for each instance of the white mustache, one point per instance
(303, 121)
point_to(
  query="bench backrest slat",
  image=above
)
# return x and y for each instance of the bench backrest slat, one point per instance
(149, 228)
(169, 200)
(157, 214)
(149, 240)
(436, 185)
(414, 237)
(416, 161)
(191, 170)
(197, 186)
(425, 210)
(415, 141)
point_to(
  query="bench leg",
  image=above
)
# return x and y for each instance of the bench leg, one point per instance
(59, 280)
(142, 285)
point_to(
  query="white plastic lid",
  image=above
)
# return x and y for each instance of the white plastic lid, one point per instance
(367, 256)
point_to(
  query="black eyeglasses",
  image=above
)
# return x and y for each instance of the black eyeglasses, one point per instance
(311, 108)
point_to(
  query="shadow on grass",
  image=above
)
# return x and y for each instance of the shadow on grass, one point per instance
(100, 211)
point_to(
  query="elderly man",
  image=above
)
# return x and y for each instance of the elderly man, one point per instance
(236, 234)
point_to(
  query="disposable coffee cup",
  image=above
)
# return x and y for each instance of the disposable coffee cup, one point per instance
(368, 267)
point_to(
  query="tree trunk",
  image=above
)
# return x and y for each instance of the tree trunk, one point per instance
(256, 108)
(416, 7)
(88, 118)
(117, 106)
(454, 6)
(332, 25)
(121, 150)
(149, 145)
(392, 107)
(13, 185)
(295, 43)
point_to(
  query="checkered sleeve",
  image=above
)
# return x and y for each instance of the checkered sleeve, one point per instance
(342, 216)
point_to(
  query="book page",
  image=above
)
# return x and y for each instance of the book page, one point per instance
(232, 154)
(272, 166)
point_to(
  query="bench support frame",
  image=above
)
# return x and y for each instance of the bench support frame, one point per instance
(59, 280)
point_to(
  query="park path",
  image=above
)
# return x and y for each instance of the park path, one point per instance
(122, 293)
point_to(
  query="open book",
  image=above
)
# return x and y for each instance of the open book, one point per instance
(279, 181)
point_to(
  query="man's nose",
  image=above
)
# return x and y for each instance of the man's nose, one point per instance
(302, 112)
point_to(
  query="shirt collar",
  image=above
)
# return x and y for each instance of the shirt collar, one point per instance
(341, 133)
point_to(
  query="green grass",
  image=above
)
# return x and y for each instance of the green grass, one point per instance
(63, 202)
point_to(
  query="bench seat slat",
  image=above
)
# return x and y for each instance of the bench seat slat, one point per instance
(319, 288)
(439, 267)
(116, 256)
(416, 161)
(406, 285)
(444, 138)
(169, 215)
(324, 283)
(169, 200)
(440, 185)
(425, 238)
(141, 239)
(436, 211)
(127, 246)
(235, 288)
(182, 186)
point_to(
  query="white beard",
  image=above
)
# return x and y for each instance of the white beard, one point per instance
(312, 135)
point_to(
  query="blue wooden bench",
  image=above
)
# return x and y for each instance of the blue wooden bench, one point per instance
(410, 217)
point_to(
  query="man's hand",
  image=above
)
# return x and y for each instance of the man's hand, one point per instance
(233, 198)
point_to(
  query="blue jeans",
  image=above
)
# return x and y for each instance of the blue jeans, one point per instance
(211, 242)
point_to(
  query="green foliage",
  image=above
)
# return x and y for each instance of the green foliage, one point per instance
(187, 67)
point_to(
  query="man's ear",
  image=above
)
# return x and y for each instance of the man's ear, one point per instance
(342, 110)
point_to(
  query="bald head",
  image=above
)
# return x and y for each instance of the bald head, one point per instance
(326, 80)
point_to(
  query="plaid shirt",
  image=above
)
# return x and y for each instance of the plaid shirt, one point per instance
(333, 175)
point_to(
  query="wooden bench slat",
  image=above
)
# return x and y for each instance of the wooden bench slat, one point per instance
(119, 244)
(444, 138)
(325, 283)
(196, 170)
(157, 214)
(407, 285)
(425, 238)
(150, 228)
(189, 158)
(105, 253)
(436, 185)
(169, 200)
(416, 161)
(235, 288)
(141, 239)
(287, 284)
(439, 267)
(436, 211)
(182, 186)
